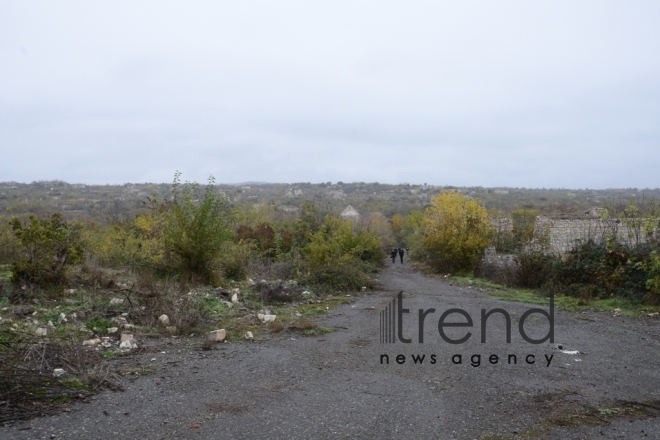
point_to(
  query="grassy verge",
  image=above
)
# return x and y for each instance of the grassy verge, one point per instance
(564, 302)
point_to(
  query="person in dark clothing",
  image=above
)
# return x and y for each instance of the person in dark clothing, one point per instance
(400, 255)
(393, 255)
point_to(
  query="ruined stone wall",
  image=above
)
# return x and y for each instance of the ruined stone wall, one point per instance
(563, 234)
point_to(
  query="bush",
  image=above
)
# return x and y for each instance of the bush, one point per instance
(456, 231)
(195, 228)
(46, 249)
(608, 269)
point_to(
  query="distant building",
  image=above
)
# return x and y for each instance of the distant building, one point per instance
(350, 213)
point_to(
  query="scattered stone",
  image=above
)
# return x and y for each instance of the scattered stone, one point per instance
(50, 324)
(92, 342)
(228, 304)
(42, 331)
(164, 319)
(116, 301)
(171, 329)
(269, 318)
(106, 344)
(62, 318)
(121, 321)
(217, 335)
(306, 292)
(251, 282)
(653, 314)
(129, 326)
(70, 290)
(260, 316)
(236, 290)
(249, 335)
(127, 337)
(57, 372)
(112, 330)
(234, 298)
(128, 345)
(364, 288)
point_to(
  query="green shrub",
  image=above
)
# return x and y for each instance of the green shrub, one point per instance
(195, 228)
(46, 249)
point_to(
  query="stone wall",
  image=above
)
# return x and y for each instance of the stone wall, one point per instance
(564, 234)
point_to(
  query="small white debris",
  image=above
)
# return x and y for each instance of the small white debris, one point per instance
(112, 330)
(50, 324)
(121, 321)
(249, 335)
(269, 318)
(234, 298)
(260, 316)
(128, 345)
(306, 292)
(164, 319)
(92, 342)
(128, 326)
(116, 301)
(251, 282)
(106, 344)
(228, 304)
(57, 372)
(364, 288)
(127, 337)
(570, 351)
(217, 335)
(69, 290)
(42, 331)
(236, 290)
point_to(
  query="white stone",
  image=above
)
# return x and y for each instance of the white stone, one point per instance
(128, 344)
(128, 326)
(57, 372)
(121, 321)
(269, 318)
(364, 288)
(112, 330)
(127, 337)
(50, 324)
(164, 319)
(234, 298)
(116, 301)
(62, 318)
(217, 335)
(42, 331)
(228, 304)
(261, 317)
(92, 342)
(236, 290)
(249, 335)
(306, 292)
(106, 344)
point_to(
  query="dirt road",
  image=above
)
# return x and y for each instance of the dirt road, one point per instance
(603, 383)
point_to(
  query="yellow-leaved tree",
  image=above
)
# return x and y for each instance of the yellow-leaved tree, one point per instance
(456, 230)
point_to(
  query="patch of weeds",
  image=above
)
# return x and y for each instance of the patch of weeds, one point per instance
(5, 272)
(319, 330)
(112, 353)
(564, 302)
(213, 307)
(99, 325)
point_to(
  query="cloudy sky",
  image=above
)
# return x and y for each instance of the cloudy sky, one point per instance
(492, 93)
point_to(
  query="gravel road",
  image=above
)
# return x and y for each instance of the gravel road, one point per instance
(338, 385)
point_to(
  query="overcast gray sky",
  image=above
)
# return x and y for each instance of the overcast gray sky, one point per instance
(492, 93)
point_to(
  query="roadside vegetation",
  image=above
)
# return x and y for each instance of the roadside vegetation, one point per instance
(76, 296)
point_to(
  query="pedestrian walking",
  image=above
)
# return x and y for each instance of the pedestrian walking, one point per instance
(401, 254)
(393, 255)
